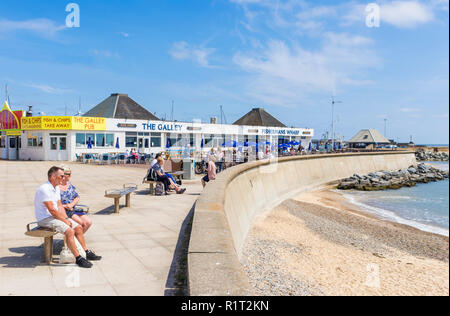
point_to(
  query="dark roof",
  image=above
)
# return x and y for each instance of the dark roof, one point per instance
(259, 117)
(121, 106)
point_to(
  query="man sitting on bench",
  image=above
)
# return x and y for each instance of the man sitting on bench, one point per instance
(51, 214)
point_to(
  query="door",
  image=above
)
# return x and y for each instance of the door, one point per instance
(13, 148)
(58, 148)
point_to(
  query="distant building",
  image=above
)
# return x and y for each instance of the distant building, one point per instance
(259, 117)
(368, 139)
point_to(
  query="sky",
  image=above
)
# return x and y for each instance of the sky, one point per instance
(290, 57)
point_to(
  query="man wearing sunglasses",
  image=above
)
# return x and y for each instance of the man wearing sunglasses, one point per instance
(50, 213)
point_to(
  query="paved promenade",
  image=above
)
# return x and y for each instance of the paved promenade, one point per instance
(137, 245)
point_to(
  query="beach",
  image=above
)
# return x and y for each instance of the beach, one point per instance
(319, 243)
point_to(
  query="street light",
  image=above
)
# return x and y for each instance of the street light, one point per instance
(333, 102)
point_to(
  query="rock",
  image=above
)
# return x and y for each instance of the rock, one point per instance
(348, 185)
(412, 170)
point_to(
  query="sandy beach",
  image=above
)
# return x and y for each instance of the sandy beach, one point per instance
(318, 243)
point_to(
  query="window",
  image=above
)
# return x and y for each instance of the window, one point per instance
(131, 140)
(12, 143)
(155, 140)
(147, 143)
(81, 139)
(109, 140)
(100, 140)
(34, 139)
(90, 137)
(62, 143)
(2, 141)
(53, 143)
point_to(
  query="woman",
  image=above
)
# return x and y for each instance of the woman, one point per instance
(70, 199)
(162, 177)
(211, 171)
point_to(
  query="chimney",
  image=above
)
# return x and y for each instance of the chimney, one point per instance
(30, 111)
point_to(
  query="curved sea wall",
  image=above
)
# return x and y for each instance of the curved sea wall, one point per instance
(226, 210)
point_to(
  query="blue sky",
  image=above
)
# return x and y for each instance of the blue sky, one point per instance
(288, 56)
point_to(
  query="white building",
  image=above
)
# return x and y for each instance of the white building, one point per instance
(119, 124)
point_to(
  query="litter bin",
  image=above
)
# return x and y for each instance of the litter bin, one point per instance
(188, 169)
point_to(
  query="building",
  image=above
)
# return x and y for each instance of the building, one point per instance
(119, 123)
(368, 139)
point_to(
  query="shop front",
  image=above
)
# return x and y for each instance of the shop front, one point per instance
(10, 133)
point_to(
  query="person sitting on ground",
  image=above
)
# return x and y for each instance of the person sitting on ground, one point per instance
(211, 171)
(162, 177)
(50, 213)
(70, 199)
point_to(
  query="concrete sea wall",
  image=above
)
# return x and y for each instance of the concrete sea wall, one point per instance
(226, 210)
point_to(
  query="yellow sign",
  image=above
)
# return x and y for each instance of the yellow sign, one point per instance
(12, 133)
(64, 123)
(80, 123)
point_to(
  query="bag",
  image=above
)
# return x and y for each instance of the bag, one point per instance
(159, 189)
(152, 175)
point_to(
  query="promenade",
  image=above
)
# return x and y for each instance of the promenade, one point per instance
(138, 245)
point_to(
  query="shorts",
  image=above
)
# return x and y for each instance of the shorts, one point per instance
(206, 178)
(56, 224)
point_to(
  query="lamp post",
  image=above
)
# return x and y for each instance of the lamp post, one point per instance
(333, 102)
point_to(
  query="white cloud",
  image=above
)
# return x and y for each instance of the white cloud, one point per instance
(401, 14)
(284, 73)
(105, 53)
(200, 55)
(410, 110)
(125, 34)
(47, 88)
(406, 14)
(43, 27)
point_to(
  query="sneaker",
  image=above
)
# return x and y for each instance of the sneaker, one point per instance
(92, 256)
(83, 263)
(181, 191)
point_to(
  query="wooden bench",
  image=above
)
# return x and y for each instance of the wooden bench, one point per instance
(178, 175)
(152, 185)
(45, 233)
(117, 194)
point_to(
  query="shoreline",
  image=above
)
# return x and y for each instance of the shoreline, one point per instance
(328, 196)
(319, 243)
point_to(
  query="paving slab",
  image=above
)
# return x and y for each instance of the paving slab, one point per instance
(137, 245)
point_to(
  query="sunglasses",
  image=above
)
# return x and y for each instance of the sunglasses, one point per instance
(68, 174)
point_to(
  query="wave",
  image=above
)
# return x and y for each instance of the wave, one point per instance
(391, 216)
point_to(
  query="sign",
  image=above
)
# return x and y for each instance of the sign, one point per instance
(12, 133)
(123, 125)
(287, 132)
(64, 123)
(80, 123)
(162, 127)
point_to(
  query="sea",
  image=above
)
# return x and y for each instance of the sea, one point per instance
(425, 206)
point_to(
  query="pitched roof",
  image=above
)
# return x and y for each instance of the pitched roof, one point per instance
(121, 106)
(369, 136)
(259, 117)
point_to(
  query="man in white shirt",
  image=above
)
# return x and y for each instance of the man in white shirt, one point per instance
(50, 213)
